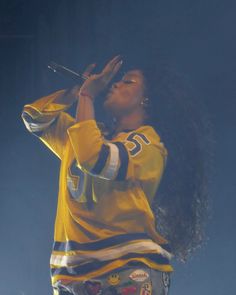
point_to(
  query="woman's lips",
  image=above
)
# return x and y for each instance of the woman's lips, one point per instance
(110, 92)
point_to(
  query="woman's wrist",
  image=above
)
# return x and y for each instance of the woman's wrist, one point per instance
(85, 108)
(85, 94)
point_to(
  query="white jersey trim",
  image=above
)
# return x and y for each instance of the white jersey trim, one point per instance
(62, 260)
(37, 127)
(110, 171)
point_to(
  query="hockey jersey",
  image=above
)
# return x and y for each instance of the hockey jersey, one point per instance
(104, 218)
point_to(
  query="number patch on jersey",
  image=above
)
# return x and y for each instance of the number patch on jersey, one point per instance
(138, 140)
(75, 181)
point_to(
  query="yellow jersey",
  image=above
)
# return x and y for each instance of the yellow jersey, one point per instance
(104, 218)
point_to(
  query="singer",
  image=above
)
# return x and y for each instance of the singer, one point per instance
(105, 239)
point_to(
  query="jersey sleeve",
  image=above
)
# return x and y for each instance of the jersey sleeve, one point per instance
(47, 120)
(135, 158)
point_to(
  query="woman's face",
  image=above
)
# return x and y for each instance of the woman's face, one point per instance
(126, 95)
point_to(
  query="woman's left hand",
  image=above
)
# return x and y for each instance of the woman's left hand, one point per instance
(98, 82)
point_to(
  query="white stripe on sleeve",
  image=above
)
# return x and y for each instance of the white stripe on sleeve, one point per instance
(37, 127)
(109, 172)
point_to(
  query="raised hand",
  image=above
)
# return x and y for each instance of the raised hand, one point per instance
(87, 72)
(98, 82)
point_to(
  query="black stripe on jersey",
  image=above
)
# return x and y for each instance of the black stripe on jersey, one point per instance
(124, 161)
(166, 247)
(105, 243)
(102, 158)
(96, 265)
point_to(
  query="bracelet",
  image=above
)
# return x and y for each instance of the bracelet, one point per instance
(85, 94)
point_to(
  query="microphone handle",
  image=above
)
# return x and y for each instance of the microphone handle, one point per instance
(64, 71)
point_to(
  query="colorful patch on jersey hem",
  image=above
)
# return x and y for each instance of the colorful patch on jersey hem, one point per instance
(139, 275)
(128, 290)
(93, 287)
(146, 289)
(113, 279)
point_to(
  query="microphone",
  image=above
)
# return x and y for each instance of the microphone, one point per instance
(64, 71)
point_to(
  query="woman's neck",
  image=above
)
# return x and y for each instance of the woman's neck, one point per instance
(131, 121)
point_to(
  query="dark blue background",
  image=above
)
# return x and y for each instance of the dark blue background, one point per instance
(198, 36)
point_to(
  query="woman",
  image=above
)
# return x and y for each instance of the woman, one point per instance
(106, 240)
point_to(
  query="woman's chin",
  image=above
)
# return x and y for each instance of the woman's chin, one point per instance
(110, 107)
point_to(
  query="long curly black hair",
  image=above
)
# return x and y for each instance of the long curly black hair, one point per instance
(181, 205)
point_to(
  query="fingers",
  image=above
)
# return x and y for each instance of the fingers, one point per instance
(117, 63)
(115, 60)
(112, 63)
(112, 68)
(116, 69)
(89, 70)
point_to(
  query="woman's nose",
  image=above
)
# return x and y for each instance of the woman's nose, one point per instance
(115, 85)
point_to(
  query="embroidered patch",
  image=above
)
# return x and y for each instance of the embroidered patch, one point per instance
(139, 275)
(113, 279)
(93, 287)
(146, 289)
(128, 290)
